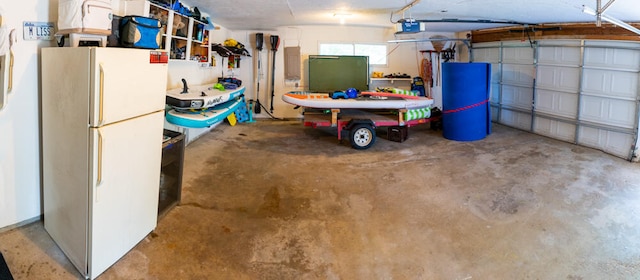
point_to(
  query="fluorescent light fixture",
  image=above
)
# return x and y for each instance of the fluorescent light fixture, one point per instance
(342, 16)
(590, 11)
(620, 23)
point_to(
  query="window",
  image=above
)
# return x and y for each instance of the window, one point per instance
(377, 53)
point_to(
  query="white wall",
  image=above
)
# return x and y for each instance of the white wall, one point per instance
(19, 120)
(20, 172)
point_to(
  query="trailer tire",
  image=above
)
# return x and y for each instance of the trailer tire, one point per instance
(362, 136)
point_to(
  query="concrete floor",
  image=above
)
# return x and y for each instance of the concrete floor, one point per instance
(276, 200)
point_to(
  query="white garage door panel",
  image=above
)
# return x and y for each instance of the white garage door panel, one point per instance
(609, 112)
(558, 78)
(495, 93)
(569, 56)
(624, 85)
(487, 55)
(516, 119)
(557, 103)
(495, 72)
(610, 83)
(615, 143)
(521, 55)
(494, 114)
(486, 44)
(611, 44)
(555, 129)
(517, 74)
(520, 97)
(612, 58)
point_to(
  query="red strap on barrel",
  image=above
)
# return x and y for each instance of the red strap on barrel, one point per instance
(465, 107)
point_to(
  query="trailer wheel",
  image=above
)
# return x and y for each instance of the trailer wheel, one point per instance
(362, 136)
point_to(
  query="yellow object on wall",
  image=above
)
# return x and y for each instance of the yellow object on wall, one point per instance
(377, 74)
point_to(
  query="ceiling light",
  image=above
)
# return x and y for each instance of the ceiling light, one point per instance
(342, 16)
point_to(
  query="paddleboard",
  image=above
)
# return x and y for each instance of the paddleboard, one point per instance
(199, 118)
(389, 94)
(323, 101)
(199, 97)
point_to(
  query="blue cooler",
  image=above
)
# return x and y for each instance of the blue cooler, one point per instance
(140, 32)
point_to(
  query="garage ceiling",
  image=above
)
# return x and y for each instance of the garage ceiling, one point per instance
(270, 14)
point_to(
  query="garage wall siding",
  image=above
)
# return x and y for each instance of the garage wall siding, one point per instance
(579, 91)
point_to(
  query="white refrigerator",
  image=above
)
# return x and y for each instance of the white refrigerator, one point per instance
(102, 129)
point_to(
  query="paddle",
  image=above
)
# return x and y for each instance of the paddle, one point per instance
(275, 42)
(259, 40)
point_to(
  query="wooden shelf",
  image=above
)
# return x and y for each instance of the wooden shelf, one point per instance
(391, 79)
(404, 83)
(183, 37)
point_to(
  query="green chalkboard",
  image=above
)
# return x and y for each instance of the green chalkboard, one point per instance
(329, 73)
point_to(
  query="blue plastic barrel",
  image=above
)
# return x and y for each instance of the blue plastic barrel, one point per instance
(465, 101)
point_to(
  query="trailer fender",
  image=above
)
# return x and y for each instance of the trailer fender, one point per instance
(355, 122)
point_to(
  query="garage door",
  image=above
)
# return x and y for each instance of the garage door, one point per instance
(584, 92)
(490, 52)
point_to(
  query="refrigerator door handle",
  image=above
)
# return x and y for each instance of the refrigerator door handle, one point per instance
(100, 106)
(10, 83)
(3, 83)
(99, 181)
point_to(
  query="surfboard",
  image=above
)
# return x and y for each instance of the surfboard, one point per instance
(199, 118)
(323, 101)
(199, 97)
